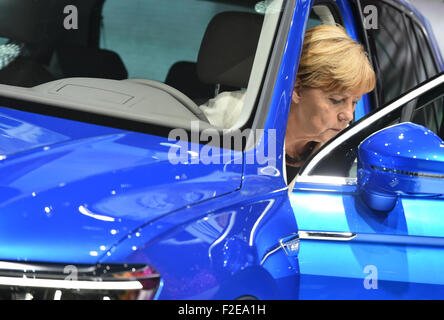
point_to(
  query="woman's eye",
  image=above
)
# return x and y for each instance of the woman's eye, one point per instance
(334, 101)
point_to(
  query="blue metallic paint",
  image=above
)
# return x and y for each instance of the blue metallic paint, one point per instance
(404, 245)
(79, 193)
(390, 161)
(212, 251)
(58, 192)
(406, 146)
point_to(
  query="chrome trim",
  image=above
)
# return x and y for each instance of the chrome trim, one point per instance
(224, 234)
(326, 235)
(70, 284)
(367, 122)
(269, 253)
(80, 277)
(23, 268)
(290, 245)
(407, 173)
(337, 181)
(258, 221)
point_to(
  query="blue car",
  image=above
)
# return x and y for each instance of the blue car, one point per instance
(115, 186)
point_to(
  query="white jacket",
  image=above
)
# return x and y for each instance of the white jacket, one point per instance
(224, 110)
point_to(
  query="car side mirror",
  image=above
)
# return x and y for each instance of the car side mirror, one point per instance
(404, 159)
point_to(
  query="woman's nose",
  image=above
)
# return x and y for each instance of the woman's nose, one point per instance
(345, 116)
(347, 113)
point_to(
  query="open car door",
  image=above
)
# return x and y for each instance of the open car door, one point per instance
(370, 220)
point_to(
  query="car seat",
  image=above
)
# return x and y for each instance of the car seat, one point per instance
(77, 54)
(225, 57)
(78, 61)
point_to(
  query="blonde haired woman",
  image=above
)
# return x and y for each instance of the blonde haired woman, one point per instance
(334, 72)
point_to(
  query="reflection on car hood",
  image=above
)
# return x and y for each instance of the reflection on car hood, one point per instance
(70, 197)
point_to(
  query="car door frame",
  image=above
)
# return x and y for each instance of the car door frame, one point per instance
(408, 13)
(313, 232)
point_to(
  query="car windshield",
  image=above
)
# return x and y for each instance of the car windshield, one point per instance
(150, 61)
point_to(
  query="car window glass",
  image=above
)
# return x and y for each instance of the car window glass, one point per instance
(426, 53)
(142, 43)
(393, 53)
(150, 36)
(341, 161)
(313, 20)
(204, 49)
(430, 115)
(326, 12)
(420, 70)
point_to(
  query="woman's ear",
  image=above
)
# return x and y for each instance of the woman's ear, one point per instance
(296, 96)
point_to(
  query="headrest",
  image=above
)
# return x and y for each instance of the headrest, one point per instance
(228, 48)
(30, 21)
(90, 63)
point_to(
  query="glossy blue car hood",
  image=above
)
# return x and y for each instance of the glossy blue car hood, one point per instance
(69, 191)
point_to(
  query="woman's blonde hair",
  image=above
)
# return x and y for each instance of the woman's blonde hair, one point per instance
(333, 61)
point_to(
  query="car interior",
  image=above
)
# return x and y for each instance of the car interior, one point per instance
(81, 65)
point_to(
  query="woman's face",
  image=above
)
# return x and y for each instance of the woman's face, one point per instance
(320, 115)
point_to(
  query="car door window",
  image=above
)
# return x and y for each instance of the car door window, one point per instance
(151, 36)
(399, 50)
(430, 116)
(429, 113)
(426, 52)
(418, 63)
(324, 12)
(392, 52)
(208, 51)
(341, 160)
